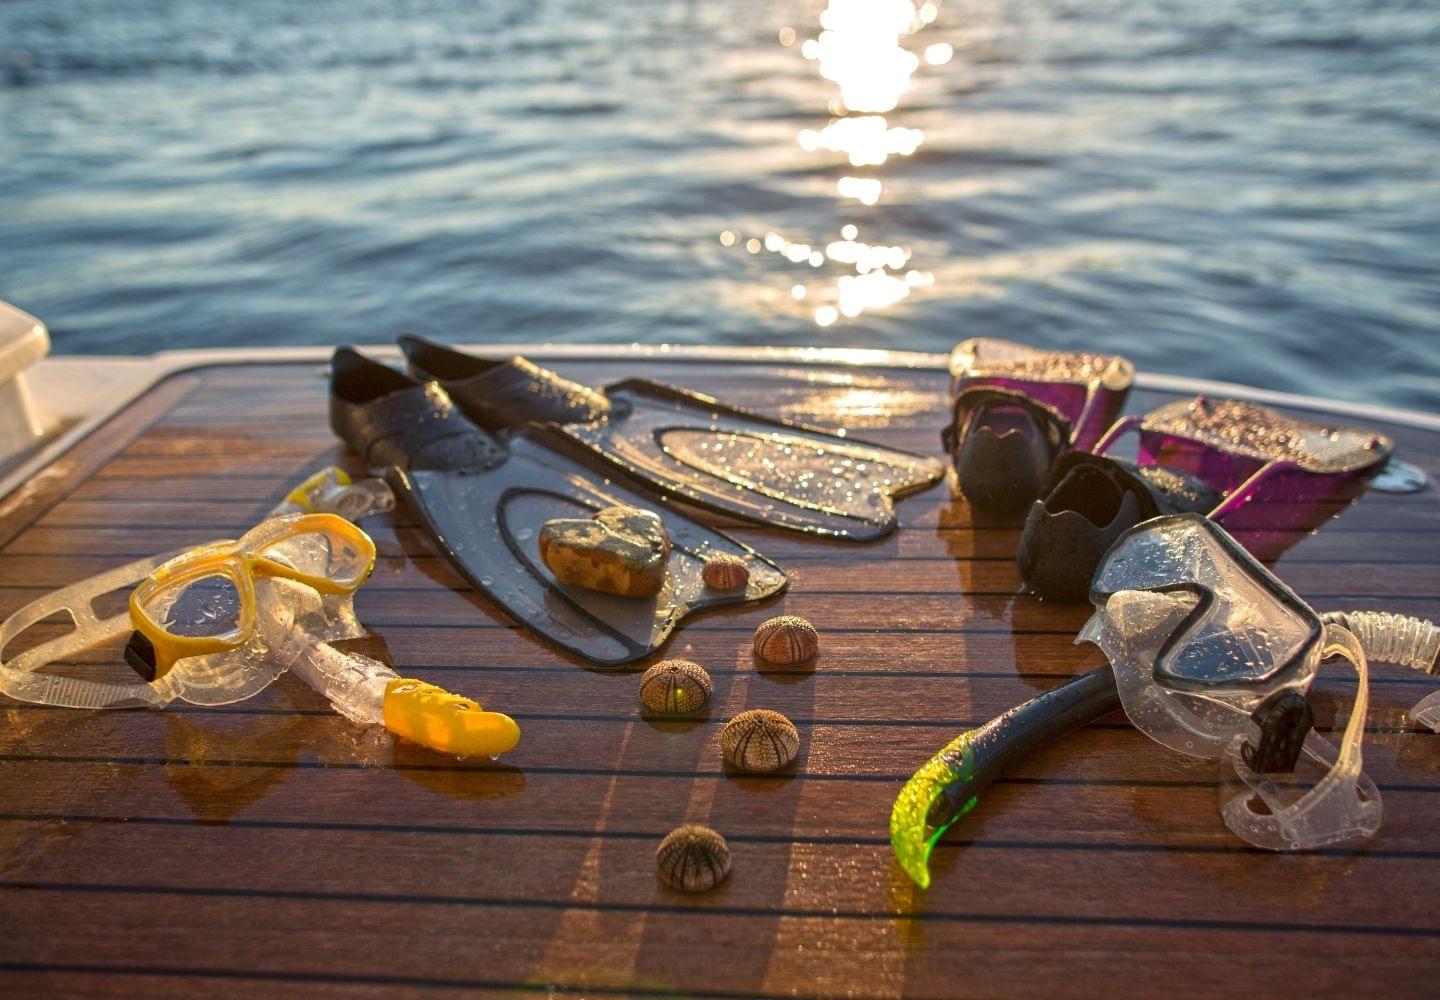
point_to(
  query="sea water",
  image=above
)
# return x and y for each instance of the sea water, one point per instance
(1240, 189)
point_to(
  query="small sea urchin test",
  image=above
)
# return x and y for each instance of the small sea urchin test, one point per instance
(693, 858)
(759, 740)
(674, 687)
(725, 572)
(786, 640)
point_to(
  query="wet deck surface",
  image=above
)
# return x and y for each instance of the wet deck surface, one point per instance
(271, 847)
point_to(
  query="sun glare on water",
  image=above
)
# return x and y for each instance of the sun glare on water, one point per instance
(864, 48)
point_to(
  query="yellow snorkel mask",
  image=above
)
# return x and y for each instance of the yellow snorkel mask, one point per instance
(219, 623)
(203, 603)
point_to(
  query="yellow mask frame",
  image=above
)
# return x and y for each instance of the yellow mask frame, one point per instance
(242, 562)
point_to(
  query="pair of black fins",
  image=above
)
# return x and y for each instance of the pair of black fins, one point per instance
(485, 452)
(1029, 435)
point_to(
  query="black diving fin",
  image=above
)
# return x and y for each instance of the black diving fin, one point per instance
(484, 503)
(1090, 501)
(690, 447)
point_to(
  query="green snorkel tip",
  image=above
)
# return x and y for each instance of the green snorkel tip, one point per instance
(911, 836)
(976, 757)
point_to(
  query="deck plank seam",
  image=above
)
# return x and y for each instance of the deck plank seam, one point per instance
(711, 911)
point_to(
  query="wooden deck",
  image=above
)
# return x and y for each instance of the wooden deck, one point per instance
(271, 848)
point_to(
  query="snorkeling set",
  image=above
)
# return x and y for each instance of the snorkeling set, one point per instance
(1210, 654)
(219, 623)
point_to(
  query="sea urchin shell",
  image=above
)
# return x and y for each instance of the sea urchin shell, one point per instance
(786, 640)
(759, 740)
(693, 858)
(725, 572)
(674, 687)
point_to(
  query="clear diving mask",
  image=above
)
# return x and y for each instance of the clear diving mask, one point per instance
(1212, 656)
(219, 623)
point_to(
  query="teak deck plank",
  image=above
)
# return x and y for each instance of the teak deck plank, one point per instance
(271, 848)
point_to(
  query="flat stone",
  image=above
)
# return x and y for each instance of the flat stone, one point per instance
(621, 550)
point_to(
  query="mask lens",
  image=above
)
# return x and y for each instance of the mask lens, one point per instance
(1162, 556)
(323, 554)
(1236, 641)
(207, 607)
(1246, 630)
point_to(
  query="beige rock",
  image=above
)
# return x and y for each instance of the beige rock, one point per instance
(621, 550)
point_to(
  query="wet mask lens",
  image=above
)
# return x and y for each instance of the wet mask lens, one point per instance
(1160, 558)
(1227, 651)
(322, 553)
(206, 607)
(1199, 633)
(1245, 627)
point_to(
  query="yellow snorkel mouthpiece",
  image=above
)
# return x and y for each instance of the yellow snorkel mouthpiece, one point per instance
(449, 723)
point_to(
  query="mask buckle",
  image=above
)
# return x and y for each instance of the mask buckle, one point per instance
(1283, 719)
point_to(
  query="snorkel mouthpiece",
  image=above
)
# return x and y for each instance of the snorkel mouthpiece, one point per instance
(1283, 719)
(433, 717)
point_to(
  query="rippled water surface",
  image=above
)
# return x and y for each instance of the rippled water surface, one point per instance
(1244, 190)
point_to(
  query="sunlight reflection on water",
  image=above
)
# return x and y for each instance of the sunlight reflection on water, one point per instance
(1234, 190)
(861, 47)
